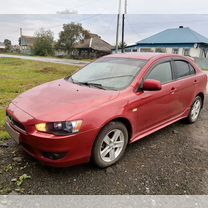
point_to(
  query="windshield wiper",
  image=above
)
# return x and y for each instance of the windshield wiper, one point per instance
(128, 75)
(91, 84)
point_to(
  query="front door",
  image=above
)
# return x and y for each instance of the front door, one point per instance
(156, 107)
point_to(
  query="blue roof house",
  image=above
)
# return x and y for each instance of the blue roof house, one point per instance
(182, 40)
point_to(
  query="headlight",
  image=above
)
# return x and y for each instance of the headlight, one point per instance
(60, 128)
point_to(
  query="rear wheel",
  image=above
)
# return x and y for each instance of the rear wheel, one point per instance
(110, 144)
(195, 110)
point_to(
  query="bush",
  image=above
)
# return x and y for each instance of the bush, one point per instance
(43, 45)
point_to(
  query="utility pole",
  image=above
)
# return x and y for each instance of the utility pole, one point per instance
(123, 27)
(122, 41)
(20, 39)
(118, 25)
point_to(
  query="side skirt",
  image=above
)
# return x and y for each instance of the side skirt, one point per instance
(158, 127)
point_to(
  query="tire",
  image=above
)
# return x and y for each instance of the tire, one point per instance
(195, 110)
(110, 144)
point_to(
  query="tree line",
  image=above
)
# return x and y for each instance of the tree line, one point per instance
(45, 44)
(71, 34)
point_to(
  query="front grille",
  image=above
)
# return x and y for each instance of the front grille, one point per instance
(15, 122)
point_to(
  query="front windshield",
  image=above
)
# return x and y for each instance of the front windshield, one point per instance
(109, 73)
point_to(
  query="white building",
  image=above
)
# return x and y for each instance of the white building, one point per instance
(2, 47)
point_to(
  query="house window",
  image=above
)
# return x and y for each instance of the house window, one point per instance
(127, 50)
(160, 50)
(175, 51)
(186, 52)
(134, 50)
(146, 50)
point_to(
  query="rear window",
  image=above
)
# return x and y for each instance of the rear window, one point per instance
(183, 69)
(192, 70)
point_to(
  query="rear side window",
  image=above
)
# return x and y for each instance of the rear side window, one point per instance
(162, 72)
(192, 70)
(183, 69)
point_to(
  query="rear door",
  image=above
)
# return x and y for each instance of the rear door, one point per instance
(185, 83)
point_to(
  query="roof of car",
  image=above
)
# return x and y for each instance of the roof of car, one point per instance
(142, 56)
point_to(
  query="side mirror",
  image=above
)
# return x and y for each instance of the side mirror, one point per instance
(151, 85)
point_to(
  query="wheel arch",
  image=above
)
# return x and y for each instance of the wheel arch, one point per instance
(122, 120)
(127, 124)
(201, 94)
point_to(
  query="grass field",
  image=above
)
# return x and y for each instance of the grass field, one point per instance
(17, 76)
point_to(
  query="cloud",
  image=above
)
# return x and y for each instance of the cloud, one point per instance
(104, 6)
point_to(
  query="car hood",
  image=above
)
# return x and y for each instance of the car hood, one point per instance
(59, 100)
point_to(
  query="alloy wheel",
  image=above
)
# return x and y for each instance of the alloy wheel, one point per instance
(195, 110)
(112, 145)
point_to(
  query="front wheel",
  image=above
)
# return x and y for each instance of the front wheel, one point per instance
(110, 144)
(195, 110)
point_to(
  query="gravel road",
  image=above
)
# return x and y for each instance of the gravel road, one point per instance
(171, 161)
(71, 62)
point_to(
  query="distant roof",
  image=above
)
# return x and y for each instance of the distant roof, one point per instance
(176, 35)
(28, 40)
(96, 43)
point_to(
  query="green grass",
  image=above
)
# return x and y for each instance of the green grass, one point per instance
(4, 136)
(17, 76)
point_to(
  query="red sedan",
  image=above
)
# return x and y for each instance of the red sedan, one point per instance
(108, 104)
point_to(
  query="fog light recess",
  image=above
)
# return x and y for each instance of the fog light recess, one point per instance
(54, 156)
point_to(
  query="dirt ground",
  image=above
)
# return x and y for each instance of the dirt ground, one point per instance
(171, 161)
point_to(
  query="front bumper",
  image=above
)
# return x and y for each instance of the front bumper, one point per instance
(57, 151)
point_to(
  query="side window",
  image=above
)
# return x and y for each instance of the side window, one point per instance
(162, 73)
(183, 69)
(192, 70)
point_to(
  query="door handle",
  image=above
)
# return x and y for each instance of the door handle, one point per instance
(172, 91)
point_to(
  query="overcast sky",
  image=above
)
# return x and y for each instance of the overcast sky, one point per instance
(99, 17)
(103, 6)
(137, 26)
